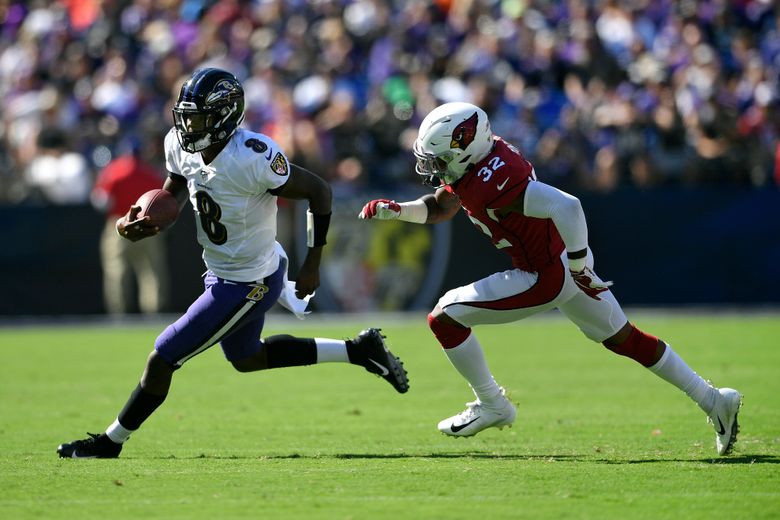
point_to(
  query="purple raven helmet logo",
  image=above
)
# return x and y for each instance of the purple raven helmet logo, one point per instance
(464, 133)
(221, 90)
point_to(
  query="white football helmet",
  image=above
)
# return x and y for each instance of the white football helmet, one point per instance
(451, 138)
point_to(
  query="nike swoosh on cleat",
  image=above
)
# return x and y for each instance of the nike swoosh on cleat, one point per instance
(384, 369)
(722, 430)
(75, 455)
(456, 429)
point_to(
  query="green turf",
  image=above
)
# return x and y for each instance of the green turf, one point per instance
(596, 435)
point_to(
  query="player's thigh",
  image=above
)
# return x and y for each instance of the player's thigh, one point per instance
(222, 308)
(507, 296)
(244, 339)
(597, 319)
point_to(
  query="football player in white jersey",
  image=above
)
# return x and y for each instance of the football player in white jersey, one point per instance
(232, 177)
(544, 231)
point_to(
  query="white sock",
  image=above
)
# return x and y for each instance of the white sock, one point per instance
(673, 369)
(469, 360)
(331, 351)
(118, 433)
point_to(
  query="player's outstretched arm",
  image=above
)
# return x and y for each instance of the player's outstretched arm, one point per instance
(442, 206)
(303, 184)
(428, 209)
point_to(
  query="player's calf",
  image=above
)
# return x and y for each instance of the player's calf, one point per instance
(637, 345)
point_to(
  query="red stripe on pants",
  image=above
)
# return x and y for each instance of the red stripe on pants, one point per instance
(547, 287)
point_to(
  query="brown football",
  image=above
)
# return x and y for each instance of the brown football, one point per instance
(160, 205)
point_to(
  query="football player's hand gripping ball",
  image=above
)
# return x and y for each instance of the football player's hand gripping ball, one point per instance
(382, 209)
(134, 227)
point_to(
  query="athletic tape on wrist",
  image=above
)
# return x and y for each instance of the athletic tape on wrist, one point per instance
(316, 229)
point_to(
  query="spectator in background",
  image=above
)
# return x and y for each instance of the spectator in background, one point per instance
(669, 149)
(716, 159)
(616, 87)
(118, 186)
(57, 174)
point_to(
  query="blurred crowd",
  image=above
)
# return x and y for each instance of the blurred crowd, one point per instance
(598, 94)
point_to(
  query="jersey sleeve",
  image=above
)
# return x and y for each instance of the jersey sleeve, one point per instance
(269, 167)
(545, 201)
(171, 144)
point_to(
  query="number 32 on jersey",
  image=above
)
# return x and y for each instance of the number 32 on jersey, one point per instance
(487, 171)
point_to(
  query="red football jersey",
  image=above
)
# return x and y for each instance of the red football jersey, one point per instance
(493, 183)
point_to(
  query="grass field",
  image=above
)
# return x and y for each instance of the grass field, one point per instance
(596, 436)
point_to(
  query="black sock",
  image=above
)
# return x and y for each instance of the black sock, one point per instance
(139, 407)
(288, 351)
(356, 355)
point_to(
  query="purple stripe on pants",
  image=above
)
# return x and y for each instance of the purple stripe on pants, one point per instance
(232, 313)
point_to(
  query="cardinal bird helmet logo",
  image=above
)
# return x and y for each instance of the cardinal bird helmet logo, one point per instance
(464, 133)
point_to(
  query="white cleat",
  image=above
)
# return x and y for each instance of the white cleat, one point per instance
(478, 416)
(724, 419)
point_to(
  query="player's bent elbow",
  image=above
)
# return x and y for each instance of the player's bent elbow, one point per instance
(572, 207)
(322, 195)
(437, 214)
(325, 188)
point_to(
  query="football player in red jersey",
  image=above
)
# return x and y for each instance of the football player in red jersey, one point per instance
(544, 232)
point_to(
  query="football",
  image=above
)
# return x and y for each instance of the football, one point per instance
(160, 206)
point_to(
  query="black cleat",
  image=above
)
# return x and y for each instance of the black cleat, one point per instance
(96, 447)
(370, 351)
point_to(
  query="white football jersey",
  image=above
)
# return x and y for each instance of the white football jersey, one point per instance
(234, 212)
